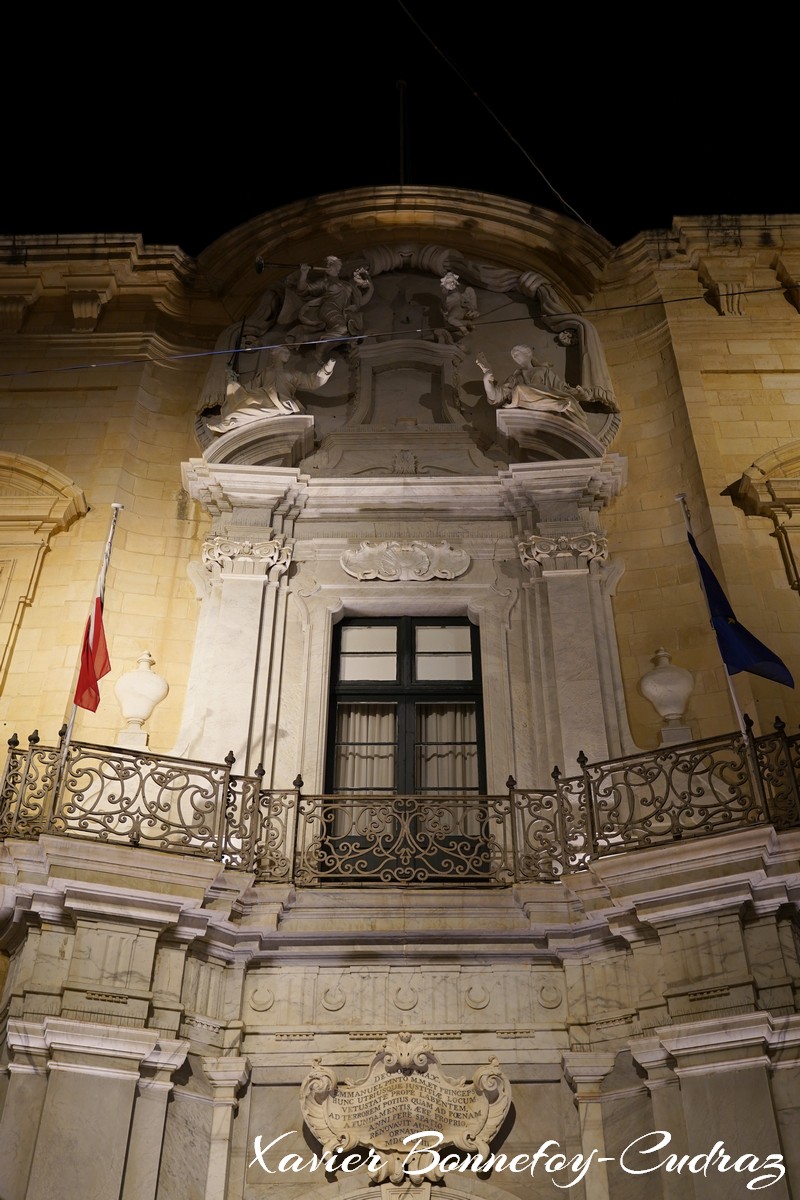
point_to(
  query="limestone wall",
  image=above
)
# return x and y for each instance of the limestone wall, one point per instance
(656, 991)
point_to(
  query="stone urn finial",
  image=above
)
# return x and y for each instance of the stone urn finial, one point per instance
(138, 692)
(668, 689)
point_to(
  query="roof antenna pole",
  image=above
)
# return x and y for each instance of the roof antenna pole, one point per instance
(401, 88)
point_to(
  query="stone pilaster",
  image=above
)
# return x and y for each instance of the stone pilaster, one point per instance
(149, 1114)
(19, 1121)
(227, 1077)
(82, 1136)
(238, 636)
(665, 1096)
(570, 568)
(723, 1067)
(585, 1074)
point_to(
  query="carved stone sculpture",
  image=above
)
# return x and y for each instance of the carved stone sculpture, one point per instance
(534, 385)
(459, 304)
(331, 305)
(271, 394)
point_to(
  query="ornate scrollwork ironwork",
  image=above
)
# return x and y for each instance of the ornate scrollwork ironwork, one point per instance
(171, 804)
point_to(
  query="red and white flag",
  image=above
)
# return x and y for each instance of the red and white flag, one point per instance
(94, 662)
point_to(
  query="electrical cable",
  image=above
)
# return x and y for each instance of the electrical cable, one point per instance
(358, 337)
(495, 118)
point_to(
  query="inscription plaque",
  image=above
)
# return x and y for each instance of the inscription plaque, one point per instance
(404, 1093)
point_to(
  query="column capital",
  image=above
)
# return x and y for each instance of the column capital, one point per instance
(573, 553)
(585, 1072)
(227, 1077)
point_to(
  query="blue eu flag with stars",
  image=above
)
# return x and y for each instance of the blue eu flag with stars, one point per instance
(740, 650)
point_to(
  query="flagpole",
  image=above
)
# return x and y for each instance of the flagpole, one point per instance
(681, 498)
(99, 589)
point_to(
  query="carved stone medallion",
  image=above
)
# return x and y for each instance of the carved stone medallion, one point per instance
(394, 561)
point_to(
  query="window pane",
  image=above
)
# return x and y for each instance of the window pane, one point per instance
(368, 652)
(365, 752)
(437, 638)
(366, 639)
(443, 666)
(446, 756)
(367, 666)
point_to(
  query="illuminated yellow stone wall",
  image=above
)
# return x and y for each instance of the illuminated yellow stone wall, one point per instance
(119, 432)
(701, 336)
(710, 382)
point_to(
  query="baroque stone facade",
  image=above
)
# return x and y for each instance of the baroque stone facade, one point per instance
(456, 420)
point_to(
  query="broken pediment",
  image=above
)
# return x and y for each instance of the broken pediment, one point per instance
(395, 339)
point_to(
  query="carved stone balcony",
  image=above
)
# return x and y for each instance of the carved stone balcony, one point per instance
(173, 805)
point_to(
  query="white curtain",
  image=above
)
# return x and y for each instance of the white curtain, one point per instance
(366, 749)
(446, 747)
(447, 751)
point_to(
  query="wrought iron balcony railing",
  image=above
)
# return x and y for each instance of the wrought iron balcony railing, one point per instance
(196, 808)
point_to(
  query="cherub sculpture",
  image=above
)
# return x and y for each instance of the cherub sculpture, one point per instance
(459, 304)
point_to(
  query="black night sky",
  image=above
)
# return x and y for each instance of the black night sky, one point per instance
(181, 127)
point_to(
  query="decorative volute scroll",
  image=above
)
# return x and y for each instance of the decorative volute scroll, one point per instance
(404, 1093)
(727, 279)
(88, 295)
(18, 294)
(396, 561)
(227, 556)
(575, 552)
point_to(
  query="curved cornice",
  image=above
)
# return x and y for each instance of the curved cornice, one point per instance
(478, 224)
(36, 497)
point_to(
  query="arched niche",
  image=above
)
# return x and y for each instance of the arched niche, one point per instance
(406, 368)
(36, 502)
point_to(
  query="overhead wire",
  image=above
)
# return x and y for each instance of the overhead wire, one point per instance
(358, 337)
(497, 120)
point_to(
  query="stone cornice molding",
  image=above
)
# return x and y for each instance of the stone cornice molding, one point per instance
(477, 223)
(275, 438)
(62, 254)
(690, 905)
(740, 1040)
(36, 500)
(585, 1071)
(224, 487)
(57, 1034)
(102, 903)
(730, 234)
(227, 1077)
